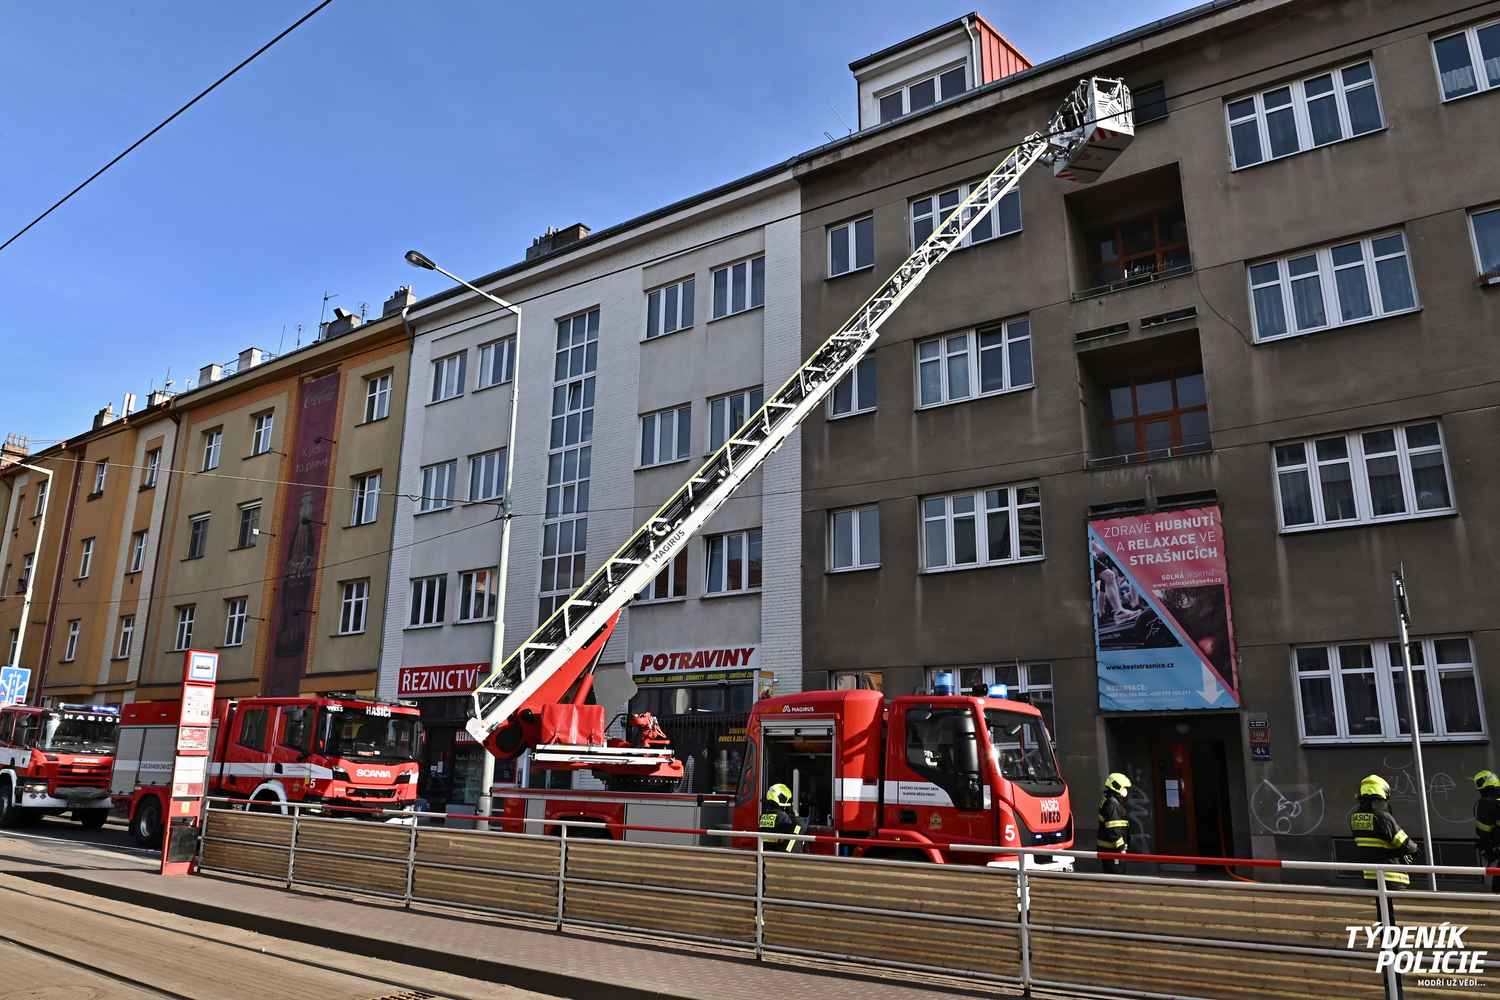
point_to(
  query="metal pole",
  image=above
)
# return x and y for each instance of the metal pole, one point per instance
(1403, 622)
(760, 897)
(1023, 889)
(411, 861)
(291, 854)
(36, 560)
(1383, 912)
(562, 872)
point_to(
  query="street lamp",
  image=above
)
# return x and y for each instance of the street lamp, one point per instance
(497, 641)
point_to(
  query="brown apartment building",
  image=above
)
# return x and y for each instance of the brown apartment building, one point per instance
(1265, 346)
(278, 533)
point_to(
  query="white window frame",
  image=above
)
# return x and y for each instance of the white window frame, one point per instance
(497, 362)
(742, 585)
(1299, 105)
(137, 552)
(41, 497)
(675, 577)
(124, 636)
(1028, 683)
(487, 475)
(354, 606)
(85, 558)
(428, 606)
(981, 508)
(850, 385)
(1358, 462)
(186, 613)
(860, 560)
(679, 418)
(1389, 698)
(248, 538)
(377, 397)
(685, 304)
(970, 345)
(721, 407)
(364, 507)
(236, 611)
(15, 641)
(101, 475)
(477, 594)
(1491, 277)
(260, 433)
(846, 232)
(449, 376)
(936, 76)
(1476, 62)
(437, 486)
(937, 211)
(213, 443)
(153, 467)
(193, 522)
(1326, 274)
(746, 268)
(70, 651)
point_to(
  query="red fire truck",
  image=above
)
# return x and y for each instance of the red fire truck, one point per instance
(55, 760)
(337, 750)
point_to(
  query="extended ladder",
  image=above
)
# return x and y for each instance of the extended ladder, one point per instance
(1086, 134)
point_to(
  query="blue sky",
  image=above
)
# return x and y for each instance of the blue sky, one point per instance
(464, 128)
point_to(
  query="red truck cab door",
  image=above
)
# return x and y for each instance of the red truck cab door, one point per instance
(936, 782)
(290, 750)
(246, 763)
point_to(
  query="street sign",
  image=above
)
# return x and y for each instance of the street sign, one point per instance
(179, 846)
(14, 683)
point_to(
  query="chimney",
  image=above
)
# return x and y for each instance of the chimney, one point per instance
(104, 416)
(13, 450)
(210, 373)
(343, 321)
(555, 239)
(249, 358)
(399, 300)
(156, 397)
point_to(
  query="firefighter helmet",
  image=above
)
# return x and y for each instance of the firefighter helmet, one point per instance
(1117, 783)
(1374, 784)
(1486, 779)
(780, 795)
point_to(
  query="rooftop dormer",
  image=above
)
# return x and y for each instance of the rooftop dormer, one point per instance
(940, 63)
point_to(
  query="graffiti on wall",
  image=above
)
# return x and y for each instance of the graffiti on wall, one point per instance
(1299, 810)
(1138, 808)
(1293, 811)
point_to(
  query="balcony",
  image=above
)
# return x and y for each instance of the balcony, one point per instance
(1129, 233)
(1146, 401)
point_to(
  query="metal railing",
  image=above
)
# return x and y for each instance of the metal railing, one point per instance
(1022, 924)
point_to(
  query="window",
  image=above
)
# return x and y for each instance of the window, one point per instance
(184, 637)
(1392, 473)
(1331, 286)
(666, 435)
(101, 472)
(212, 440)
(739, 286)
(980, 362)
(137, 552)
(670, 583)
(15, 642)
(851, 246)
(942, 746)
(354, 602)
(569, 459)
(1158, 417)
(197, 536)
(726, 414)
(497, 362)
(70, 651)
(153, 468)
(670, 308)
(437, 486)
(854, 538)
(126, 637)
(477, 596)
(85, 558)
(249, 524)
(856, 680)
(1356, 692)
(377, 397)
(989, 527)
(928, 212)
(253, 728)
(1485, 227)
(234, 621)
(41, 497)
(487, 475)
(732, 562)
(448, 376)
(1149, 103)
(1139, 248)
(1458, 55)
(365, 507)
(295, 730)
(855, 392)
(1028, 682)
(25, 577)
(260, 434)
(429, 600)
(922, 93)
(1319, 110)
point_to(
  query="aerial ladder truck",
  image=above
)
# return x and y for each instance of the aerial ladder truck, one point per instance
(536, 698)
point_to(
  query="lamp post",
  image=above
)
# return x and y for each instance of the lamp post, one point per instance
(41, 534)
(497, 640)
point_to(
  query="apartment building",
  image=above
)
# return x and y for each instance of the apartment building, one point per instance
(639, 348)
(1146, 452)
(277, 532)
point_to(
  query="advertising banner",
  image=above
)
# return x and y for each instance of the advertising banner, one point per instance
(446, 679)
(1163, 635)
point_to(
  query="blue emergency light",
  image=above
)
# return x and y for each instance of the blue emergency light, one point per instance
(999, 690)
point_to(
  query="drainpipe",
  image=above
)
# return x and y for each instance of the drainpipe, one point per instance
(975, 55)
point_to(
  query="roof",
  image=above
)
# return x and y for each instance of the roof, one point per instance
(889, 50)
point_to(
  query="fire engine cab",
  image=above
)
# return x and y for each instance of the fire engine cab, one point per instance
(55, 760)
(339, 751)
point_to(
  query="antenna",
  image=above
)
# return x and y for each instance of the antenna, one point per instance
(280, 343)
(848, 129)
(322, 312)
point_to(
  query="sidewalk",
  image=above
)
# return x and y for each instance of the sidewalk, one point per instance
(574, 963)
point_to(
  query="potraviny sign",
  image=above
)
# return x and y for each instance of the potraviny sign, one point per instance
(1163, 635)
(680, 666)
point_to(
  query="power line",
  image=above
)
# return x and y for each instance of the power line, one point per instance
(165, 122)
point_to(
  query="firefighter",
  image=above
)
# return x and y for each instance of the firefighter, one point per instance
(1114, 821)
(776, 816)
(1378, 838)
(1487, 822)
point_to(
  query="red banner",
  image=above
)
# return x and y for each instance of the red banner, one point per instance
(425, 682)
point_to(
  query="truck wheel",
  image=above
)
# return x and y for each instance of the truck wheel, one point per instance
(91, 819)
(10, 813)
(145, 825)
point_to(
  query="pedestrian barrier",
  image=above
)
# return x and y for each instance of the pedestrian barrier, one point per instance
(1138, 936)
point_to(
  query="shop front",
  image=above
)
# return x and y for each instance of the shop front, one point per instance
(451, 760)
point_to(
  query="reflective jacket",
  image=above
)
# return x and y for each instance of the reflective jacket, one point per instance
(775, 819)
(1379, 839)
(1114, 824)
(1487, 822)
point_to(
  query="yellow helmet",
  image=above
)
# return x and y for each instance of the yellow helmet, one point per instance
(779, 794)
(1486, 779)
(1117, 783)
(1374, 784)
